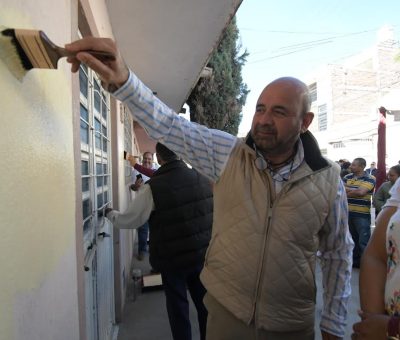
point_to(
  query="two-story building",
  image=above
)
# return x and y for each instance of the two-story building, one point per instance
(346, 98)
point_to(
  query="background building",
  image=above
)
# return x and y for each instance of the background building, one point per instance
(346, 98)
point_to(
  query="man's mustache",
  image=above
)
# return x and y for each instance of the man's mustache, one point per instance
(264, 129)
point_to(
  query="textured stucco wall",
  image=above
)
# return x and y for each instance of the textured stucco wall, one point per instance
(38, 294)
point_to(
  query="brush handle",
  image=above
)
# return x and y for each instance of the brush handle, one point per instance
(101, 55)
(59, 52)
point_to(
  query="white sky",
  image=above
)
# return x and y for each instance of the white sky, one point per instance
(292, 38)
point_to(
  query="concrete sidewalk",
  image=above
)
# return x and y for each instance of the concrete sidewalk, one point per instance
(146, 317)
(353, 307)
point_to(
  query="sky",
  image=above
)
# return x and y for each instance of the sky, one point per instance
(295, 37)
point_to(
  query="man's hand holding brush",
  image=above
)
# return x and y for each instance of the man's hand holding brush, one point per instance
(132, 159)
(113, 73)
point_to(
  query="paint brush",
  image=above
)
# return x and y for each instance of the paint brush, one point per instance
(23, 49)
(127, 155)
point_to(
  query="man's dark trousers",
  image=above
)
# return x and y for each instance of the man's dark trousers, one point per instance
(175, 285)
(143, 233)
(360, 230)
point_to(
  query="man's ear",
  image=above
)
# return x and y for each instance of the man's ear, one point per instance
(307, 120)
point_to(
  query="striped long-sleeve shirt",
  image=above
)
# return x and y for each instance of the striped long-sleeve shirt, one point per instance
(208, 151)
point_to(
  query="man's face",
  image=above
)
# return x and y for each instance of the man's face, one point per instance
(356, 168)
(373, 165)
(147, 160)
(278, 119)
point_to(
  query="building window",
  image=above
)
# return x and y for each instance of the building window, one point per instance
(324, 152)
(95, 146)
(313, 92)
(322, 117)
(338, 145)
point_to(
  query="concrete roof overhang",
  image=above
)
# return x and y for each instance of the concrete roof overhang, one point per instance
(167, 43)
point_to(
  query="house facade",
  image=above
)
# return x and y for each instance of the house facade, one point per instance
(64, 268)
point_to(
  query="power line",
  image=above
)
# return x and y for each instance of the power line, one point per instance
(285, 32)
(388, 86)
(287, 53)
(297, 32)
(305, 45)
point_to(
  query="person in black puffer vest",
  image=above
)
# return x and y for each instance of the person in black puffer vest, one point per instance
(180, 230)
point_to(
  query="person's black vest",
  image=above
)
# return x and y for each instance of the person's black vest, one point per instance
(180, 225)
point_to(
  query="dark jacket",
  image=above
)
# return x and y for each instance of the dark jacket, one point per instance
(372, 172)
(180, 225)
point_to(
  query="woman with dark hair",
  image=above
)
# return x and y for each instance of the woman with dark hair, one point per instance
(382, 194)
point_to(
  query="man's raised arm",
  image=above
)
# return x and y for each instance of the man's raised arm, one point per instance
(205, 149)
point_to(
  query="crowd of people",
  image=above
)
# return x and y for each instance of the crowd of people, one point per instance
(378, 255)
(362, 194)
(379, 195)
(276, 206)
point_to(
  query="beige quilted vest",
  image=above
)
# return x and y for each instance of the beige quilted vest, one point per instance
(260, 264)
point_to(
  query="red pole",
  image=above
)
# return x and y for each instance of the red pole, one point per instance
(381, 172)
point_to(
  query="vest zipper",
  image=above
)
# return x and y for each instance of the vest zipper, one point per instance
(272, 199)
(262, 262)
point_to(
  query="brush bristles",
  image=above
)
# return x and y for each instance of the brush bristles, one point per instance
(24, 58)
(34, 49)
(13, 55)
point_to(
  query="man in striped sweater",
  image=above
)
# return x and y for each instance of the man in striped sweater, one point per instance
(359, 188)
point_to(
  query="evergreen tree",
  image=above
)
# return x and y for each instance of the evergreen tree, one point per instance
(217, 101)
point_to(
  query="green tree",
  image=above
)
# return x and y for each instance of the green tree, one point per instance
(217, 101)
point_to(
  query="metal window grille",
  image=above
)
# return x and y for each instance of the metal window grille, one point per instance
(95, 146)
(96, 195)
(127, 141)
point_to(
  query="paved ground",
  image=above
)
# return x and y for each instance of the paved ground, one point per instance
(354, 304)
(146, 317)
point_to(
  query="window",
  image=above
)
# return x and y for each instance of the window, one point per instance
(338, 145)
(322, 117)
(95, 141)
(84, 125)
(313, 92)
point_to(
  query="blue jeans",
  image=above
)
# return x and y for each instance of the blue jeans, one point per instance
(143, 233)
(360, 230)
(175, 287)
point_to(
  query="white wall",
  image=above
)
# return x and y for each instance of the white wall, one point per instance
(38, 286)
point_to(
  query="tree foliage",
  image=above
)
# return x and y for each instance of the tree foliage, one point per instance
(217, 101)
